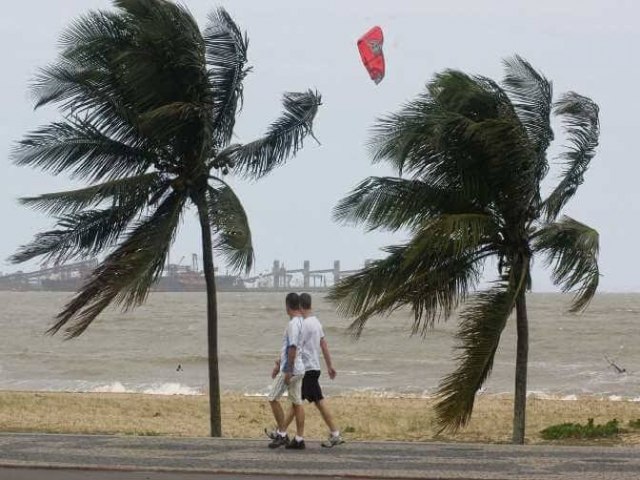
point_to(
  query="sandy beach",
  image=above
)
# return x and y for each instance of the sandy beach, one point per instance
(361, 417)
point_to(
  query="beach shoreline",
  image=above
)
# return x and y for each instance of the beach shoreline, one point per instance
(361, 417)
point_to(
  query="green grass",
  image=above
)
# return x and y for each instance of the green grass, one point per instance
(578, 431)
(634, 423)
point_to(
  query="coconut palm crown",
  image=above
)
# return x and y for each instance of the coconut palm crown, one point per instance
(149, 105)
(471, 155)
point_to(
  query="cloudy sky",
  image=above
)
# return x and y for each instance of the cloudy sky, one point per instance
(584, 45)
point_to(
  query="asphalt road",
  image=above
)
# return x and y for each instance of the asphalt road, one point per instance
(66, 474)
(168, 458)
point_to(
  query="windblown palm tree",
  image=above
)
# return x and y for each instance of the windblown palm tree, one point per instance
(471, 156)
(149, 105)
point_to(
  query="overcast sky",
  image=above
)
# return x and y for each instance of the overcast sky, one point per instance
(584, 45)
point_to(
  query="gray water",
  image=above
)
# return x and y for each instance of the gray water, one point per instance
(140, 351)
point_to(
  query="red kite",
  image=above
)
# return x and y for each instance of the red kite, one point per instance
(370, 47)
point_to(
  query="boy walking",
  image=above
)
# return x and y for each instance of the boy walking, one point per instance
(287, 376)
(314, 342)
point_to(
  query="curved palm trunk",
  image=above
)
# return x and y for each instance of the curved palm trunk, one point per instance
(212, 318)
(522, 356)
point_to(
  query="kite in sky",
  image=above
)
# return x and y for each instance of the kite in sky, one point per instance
(370, 47)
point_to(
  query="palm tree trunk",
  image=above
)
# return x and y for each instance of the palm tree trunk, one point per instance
(212, 318)
(522, 358)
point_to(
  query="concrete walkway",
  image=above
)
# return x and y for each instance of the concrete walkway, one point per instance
(198, 456)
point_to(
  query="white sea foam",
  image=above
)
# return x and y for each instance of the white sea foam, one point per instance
(255, 394)
(170, 388)
(115, 387)
(570, 398)
(365, 373)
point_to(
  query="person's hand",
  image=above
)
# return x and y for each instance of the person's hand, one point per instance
(332, 373)
(287, 377)
(275, 371)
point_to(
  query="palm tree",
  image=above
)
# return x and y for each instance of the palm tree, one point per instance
(471, 156)
(149, 106)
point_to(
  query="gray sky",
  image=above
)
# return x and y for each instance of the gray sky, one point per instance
(582, 45)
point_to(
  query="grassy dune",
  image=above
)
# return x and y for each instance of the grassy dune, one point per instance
(362, 418)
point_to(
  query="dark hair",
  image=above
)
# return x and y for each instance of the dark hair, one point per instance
(293, 301)
(305, 301)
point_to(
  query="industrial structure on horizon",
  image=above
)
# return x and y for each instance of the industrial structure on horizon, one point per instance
(179, 278)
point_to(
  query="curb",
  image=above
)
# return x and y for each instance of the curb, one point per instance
(242, 472)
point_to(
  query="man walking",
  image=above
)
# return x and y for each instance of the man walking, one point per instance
(287, 376)
(313, 342)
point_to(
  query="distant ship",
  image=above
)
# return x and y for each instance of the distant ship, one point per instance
(195, 282)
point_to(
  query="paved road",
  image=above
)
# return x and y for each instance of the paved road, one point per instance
(198, 456)
(67, 474)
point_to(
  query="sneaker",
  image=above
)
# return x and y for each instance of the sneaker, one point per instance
(333, 441)
(272, 434)
(279, 441)
(296, 445)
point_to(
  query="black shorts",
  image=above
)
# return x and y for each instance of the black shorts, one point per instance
(311, 390)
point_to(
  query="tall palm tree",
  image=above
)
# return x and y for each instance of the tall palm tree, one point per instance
(149, 106)
(471, 156)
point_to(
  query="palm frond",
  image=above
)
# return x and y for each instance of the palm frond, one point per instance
(532, 96)
(481, 324)
(78, 235)
(125, 191)
(166, 62)
(113, 74)
(167, 123)
(399, 138)
(94, 96)
(580, 116)
(231, 227)
(127, 274)
(142, 9)
(432, 274)
(283, 139)
(393, 203)
(456, 233)
(128, 70)
(226, 58)
(83, 76)
(427, 133)
(572, 250)
(87, 80)
(85, 233)
(79, 147)
(508, 167)
(378, 289)
(462, 134)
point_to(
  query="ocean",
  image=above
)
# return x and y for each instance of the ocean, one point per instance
(160, 348)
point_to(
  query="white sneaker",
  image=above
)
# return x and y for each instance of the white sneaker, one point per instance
(333, 441)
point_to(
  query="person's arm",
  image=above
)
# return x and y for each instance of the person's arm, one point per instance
(276, 368)
(327, 358)
(294, 334)
(291, 358)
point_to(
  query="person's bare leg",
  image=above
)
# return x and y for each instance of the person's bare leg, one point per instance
(299, 413)
(278, 414)
(326, 416)
(291, 414)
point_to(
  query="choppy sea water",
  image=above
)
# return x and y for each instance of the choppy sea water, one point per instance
(141, 351)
